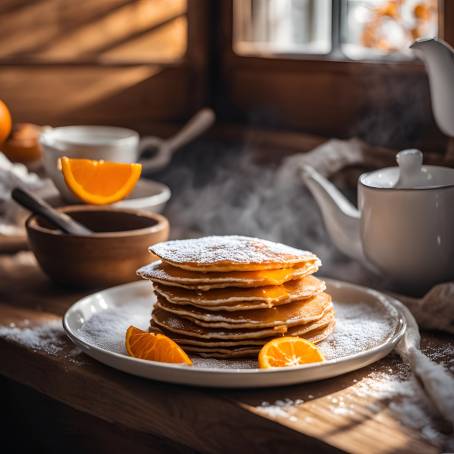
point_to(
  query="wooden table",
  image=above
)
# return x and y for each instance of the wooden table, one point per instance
(70, 398)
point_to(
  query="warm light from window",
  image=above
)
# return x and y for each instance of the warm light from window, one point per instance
(387, 27)
(287, 26)
(357, 29)
(111, 30)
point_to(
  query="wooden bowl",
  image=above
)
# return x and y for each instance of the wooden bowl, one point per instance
(109, 257)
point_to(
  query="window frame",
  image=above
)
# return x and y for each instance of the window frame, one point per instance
(246, 80)
(335, 55)
(292, 61)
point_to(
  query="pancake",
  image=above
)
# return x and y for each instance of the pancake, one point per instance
(185, 327)
(296, 313)
(185, 340)
(226, 296)
(230, 253)
(314, 336)
(165, 274)
(272, 295)
(224, 353)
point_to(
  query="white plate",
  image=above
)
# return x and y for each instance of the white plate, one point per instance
(148, 195)
(369, 325)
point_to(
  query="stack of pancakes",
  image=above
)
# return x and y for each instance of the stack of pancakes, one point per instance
(226, 296)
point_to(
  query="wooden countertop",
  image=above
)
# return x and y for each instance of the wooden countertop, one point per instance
(303, 418)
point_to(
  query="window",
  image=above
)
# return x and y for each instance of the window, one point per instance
(341, 29)
(282, 26)
(317, 66)
(387, 28)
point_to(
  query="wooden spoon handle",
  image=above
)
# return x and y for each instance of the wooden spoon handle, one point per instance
(54, 217)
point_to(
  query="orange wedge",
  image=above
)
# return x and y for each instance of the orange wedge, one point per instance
(154, 347)
(288, 351)
(99, 182)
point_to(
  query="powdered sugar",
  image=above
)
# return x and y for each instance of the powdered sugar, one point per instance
(408, 404)
(443, 354)
(402, 396)
(48, 337)
(106, 329)
(228, 249)
(359, 327)
(213, 363)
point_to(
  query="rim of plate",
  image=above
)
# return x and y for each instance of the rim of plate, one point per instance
(158, 198)
(383, 298)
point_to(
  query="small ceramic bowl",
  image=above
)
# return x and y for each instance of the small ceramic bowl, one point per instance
(109, 257)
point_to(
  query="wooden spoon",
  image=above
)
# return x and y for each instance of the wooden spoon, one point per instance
(38, 206)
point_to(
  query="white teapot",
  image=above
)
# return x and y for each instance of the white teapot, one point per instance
(404, 225)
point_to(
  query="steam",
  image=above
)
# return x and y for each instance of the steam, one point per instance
(399, 113)
(234, 195)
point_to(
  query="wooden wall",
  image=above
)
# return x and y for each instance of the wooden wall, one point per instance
(116, 62)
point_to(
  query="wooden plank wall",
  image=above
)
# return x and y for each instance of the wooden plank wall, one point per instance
(67, 62)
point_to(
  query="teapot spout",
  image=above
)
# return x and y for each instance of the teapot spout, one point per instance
(340, 216)
(438, 57)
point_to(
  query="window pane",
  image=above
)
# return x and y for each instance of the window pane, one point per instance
(386, 28)
(282, 26)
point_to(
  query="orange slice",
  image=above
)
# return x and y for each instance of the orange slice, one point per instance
(288, 351)
(99, 182)
(154, 347)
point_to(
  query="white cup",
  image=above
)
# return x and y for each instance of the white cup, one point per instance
(108, 143)
(111, 143)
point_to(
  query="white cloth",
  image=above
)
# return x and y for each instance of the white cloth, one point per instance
(435, 310)
(11, 176)
(436, 381)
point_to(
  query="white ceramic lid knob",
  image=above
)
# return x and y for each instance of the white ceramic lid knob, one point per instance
(410, 168)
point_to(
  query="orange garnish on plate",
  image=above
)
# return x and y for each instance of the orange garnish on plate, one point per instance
(288, 351)
(99, 182)
(5, 121)
(154, 347)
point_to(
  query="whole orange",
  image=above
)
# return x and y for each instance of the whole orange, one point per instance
(22, 143)
(5, 121)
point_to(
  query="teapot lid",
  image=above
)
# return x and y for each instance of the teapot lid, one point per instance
(410, 174)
